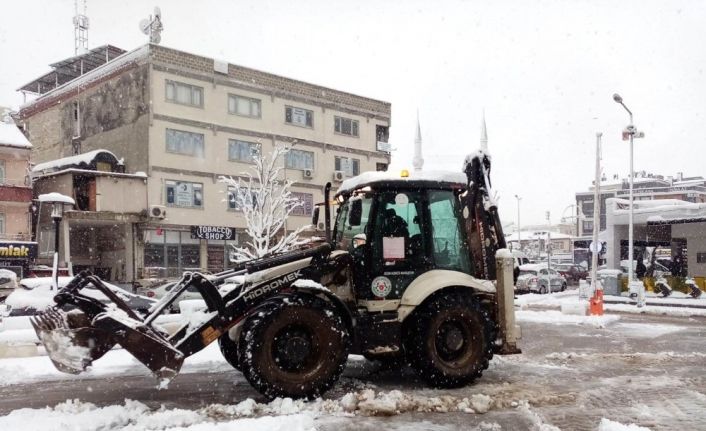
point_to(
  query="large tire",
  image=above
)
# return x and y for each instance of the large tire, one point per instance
(294, 347)
(229, 349)
(449, 340)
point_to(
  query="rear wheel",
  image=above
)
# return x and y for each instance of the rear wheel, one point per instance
(449, 340)
(563, 287)
(293, 347)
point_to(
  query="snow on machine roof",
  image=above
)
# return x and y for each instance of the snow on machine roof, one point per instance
(404, 178)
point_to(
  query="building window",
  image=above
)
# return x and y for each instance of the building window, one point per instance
(588, 225)
(2, 172)
(299, 159)
(245, 106)
(235, 204)
(184, 194)
(350, 167)
(345, 126)
(242, 151)
(307, 206)
(180, 142)
(76, 119)
(381, 167)
(184, 94)
(299, 116)
(2, 223)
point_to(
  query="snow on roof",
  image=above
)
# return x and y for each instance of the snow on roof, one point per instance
(534, 235)
(55, 197)
(11, 136)
(375, 177)
(95, 74)
(655, 211)
(85, 158)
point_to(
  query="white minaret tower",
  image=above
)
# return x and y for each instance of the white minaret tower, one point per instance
(483, 135)
(418, 161)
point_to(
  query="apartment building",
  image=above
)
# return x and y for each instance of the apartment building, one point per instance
(180, 121)
(646, 186)
(16, 250)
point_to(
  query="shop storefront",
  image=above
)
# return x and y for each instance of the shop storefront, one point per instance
(18, 256)
(170, 252)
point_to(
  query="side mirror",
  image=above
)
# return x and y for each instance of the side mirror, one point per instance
(315, 217)
(356, 212)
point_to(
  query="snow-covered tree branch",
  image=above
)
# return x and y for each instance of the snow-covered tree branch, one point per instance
(265, 201)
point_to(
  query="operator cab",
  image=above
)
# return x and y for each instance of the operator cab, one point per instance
(410, 226)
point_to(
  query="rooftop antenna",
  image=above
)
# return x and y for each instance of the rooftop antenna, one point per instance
(152, 26)
(80, 29)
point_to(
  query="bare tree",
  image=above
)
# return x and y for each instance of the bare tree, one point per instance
(265, 201)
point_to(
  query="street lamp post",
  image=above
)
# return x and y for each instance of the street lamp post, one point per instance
(630, 131)
(519, 240)
(549, 244)
(57, 201)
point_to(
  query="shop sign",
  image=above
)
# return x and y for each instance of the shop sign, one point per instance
(213, 232)
(18, 251)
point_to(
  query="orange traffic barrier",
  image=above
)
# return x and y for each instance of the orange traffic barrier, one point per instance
(595, 306)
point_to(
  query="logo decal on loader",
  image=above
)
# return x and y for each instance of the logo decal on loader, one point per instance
(381, 287)
(261, 290)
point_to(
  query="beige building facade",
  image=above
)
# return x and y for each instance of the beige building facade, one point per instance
(184, 121)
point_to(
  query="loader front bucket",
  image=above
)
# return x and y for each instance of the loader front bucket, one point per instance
(144, 343)
(69, 339)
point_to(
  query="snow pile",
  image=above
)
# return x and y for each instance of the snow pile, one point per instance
(609, 425)
(56, 197)
(538, 423)
(656, 310)
(557, 318)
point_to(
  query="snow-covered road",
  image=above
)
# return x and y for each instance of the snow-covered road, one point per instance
(574, 372)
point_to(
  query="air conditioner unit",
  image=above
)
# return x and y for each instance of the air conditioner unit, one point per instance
(321, 226)
(338, 176)
(158, 211)
(308, 173)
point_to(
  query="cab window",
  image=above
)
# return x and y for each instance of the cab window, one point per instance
(398, 228)
(344, 231)
(449, 248)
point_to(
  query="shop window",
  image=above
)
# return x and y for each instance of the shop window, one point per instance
(184, 194)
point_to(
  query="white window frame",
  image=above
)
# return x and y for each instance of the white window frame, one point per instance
(288, 161)
(2, 223)
(174, 98)
(255, 148)
(339, 123)
(253, 102)
(305, 111)
(196, 188)
(193, 152)
(3, 172)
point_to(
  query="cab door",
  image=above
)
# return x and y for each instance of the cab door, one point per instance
(398, 244)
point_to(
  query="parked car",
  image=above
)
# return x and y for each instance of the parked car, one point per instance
(36, 294)
(572, 273)
(538, 278)
(8, 283)
(159, 291)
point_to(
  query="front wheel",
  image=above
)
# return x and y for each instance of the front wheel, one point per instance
(229, 349)
(295, 346)
(543, 290)
(449, 340)
(563, 287)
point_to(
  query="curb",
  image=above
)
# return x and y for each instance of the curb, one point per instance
(544, 307)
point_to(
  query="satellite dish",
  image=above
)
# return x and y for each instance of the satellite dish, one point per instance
(157, 12)
(145, 26)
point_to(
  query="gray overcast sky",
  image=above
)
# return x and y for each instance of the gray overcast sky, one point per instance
(545, 72)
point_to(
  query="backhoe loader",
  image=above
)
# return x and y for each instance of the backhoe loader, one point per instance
(421, 289)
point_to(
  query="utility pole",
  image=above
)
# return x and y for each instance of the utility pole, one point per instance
(596, 303)
(549, 244)
(519, 240)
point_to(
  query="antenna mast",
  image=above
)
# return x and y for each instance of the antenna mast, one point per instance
(152, 26)
(80, 29)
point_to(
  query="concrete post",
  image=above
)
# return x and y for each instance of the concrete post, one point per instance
(509, 331)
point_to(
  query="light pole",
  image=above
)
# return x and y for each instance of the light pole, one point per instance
(630, 131)
(57, 213)
(519, 240)
(549, 244)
